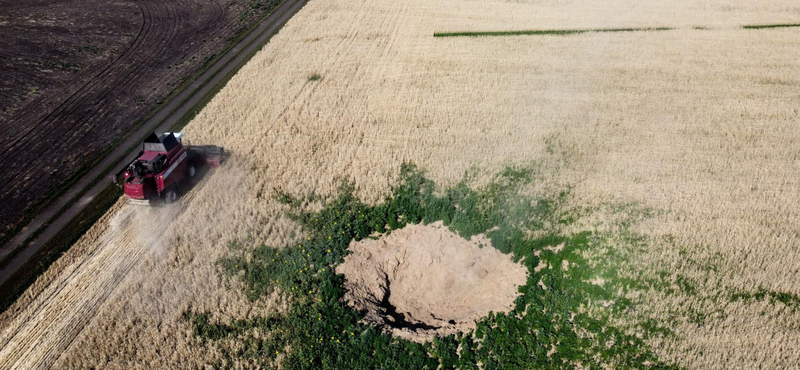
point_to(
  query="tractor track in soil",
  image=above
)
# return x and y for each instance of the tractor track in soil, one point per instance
(86, 93)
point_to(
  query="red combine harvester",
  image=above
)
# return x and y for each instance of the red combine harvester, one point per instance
(164, 167)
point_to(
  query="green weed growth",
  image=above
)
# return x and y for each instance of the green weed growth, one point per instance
(548, 328)
(546, 32)
(790, 300)
(763, 26)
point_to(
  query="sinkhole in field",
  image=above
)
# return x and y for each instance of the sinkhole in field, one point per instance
(423, 281)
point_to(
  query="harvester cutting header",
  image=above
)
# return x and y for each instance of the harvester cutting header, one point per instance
(164, 167)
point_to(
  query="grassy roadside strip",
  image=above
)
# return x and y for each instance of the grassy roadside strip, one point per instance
(269, 9)
(31, 212)
(58, 245)
(192, 113)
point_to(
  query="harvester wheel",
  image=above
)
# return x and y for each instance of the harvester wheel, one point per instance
(170, 195)
(191, 170)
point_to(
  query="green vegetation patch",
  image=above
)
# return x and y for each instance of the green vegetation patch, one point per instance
(763, 26)
(560, 320)
(567, 32)
(546, 32)
(790, 300)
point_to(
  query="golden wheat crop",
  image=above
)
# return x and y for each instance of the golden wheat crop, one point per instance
(699, 125)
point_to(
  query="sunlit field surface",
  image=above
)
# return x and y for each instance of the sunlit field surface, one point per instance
(697, 125)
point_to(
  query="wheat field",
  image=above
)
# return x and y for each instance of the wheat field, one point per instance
(699, 125)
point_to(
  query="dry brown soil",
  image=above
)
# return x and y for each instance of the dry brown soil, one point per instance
(424, 280)
(77, 74)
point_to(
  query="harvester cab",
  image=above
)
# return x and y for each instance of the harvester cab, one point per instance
(163, 168)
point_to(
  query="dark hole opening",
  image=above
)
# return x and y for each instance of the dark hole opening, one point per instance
(396, 319)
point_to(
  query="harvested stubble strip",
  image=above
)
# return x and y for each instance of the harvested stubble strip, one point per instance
(545, 32)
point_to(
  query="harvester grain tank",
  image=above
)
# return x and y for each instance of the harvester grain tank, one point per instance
(164, 167)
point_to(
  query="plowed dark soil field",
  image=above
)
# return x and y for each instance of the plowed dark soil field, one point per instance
(78, 74)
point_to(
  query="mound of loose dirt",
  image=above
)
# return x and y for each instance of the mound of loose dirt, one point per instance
(424, 280)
